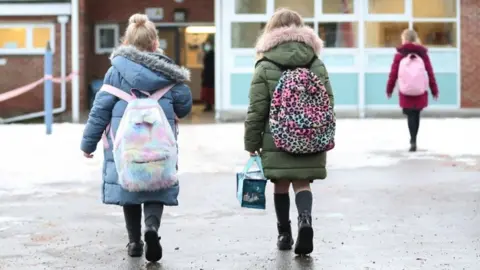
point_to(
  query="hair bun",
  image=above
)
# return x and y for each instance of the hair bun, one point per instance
(138, 19)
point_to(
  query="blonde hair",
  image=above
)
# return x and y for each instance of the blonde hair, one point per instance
(409, 35)
(284, 17)
(141, 33)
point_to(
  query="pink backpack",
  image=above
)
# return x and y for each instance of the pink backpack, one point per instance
(412, 76)
(144, 146)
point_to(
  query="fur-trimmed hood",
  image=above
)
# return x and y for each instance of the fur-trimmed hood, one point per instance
(305, 34)
(155, 62)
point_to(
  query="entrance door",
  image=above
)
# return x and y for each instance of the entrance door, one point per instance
(170, 40)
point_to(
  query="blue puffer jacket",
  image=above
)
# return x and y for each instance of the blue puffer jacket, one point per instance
(149, 72)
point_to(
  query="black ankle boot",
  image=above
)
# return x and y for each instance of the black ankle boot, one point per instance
(304, 244)
(413, 147)
(153, 249)
(135, 249)
(285, 240)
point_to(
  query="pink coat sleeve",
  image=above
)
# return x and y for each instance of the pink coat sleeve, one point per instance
(431, 76)
(392, 77)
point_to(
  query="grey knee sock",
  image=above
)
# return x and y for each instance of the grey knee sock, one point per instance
(304, 201)
(133, 221)
(153, 214)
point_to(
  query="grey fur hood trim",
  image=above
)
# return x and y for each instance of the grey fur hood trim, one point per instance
(155, 61)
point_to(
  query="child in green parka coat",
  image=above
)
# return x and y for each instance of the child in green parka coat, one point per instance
(287, 41)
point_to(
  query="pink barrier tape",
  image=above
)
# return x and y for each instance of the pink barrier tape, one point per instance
(27, 88)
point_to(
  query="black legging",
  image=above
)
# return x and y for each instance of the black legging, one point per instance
(413, 117)
(133, 218)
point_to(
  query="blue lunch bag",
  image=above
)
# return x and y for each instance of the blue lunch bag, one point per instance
(251, 185)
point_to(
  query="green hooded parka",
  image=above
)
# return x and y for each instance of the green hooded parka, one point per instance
(289, 46)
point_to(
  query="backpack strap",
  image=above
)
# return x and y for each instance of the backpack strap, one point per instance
(287, 67)
(161, 92)
(117, 92)
(121, 95)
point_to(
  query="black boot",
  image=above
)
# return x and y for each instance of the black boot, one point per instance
(285, 240)
(153, 249)
(413, 147)
(135, 249)
(304, 244)
(208, 108)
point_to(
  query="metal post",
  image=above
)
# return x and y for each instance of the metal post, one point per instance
(63, 20)
(75, 56)
(48, 89)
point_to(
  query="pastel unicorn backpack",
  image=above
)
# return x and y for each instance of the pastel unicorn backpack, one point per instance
(144, 147)
(302, 119)
(412, 76)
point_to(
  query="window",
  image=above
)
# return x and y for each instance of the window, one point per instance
(434, 8)
(306, 8)
(436, 34)
(21, 39)
(434, 21)
(337, 6)
(250, 6)
(106, 38)
(244, 35)
(386, 6)
(338, 34)
(384, 34)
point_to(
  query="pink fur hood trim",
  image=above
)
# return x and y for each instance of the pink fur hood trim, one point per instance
(305, 34)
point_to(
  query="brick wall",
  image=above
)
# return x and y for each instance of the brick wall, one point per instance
(470, 35)
(23, 69)
(103, 12)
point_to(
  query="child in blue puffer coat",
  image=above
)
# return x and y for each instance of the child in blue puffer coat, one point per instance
(137, 64)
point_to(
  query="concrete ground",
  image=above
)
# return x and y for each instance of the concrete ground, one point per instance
(417, 214)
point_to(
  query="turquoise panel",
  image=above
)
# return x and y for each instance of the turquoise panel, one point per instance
(345, 88)
(242, 61)
(375, 86)
(339, 60)
(380, 60)
(448, 87)
(239, 87)
(375, 90)
(444, 61)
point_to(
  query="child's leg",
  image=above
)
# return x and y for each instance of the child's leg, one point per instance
(282, 208)
(153, 216)
(133, 221)
(282, 201)
(304, 201)
(417, 123)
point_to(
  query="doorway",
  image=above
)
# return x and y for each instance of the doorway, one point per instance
(184, 44)
(170, 40)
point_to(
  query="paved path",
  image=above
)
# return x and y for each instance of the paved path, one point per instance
(417, 214)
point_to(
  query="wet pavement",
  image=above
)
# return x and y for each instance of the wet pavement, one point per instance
(417, 214)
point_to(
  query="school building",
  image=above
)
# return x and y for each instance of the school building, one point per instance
(360, 37)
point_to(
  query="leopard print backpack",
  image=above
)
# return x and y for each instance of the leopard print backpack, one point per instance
(302, 120)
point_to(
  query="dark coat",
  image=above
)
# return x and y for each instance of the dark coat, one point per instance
(291, 46)
(412, 102)
(208, 73)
